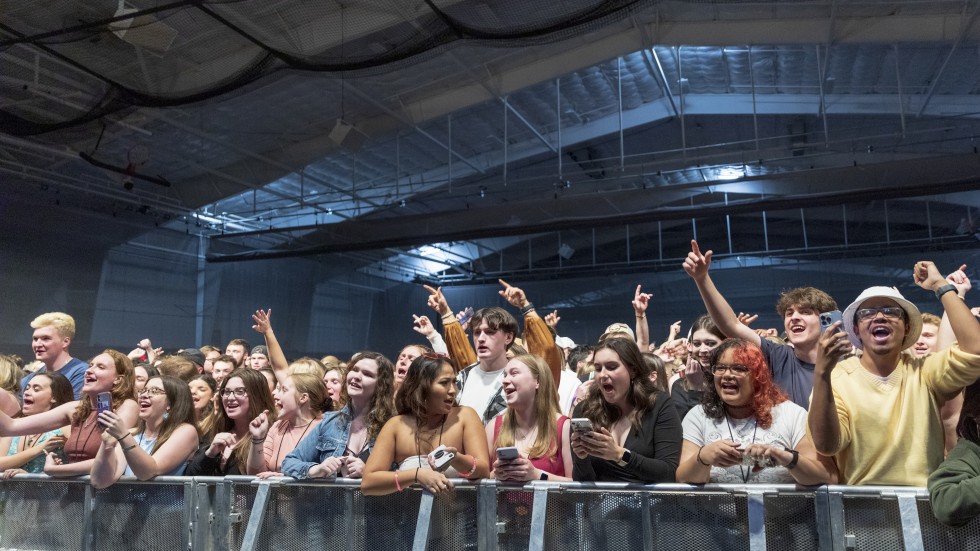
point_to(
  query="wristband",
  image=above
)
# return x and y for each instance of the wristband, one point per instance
(641, 316)
(448, 318)
(121, 438)
(398, 485)
(472, 470)
(944, 289)
(127, 448)
(526, 309)
(699, 457)
(257, 442)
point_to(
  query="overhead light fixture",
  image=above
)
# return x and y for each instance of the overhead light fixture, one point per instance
(565, 251)
(730, 173)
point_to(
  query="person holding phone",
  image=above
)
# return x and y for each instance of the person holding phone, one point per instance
(636, 434)
(746, 429)
(530, 439)
(163, 441)
(110, 372)
(25, 454)
(428, 418)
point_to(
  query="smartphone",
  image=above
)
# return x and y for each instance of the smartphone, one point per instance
(442, 458)
(829, 318)
(467, 315)
(507, 454)
(104, 402)
(581, 424)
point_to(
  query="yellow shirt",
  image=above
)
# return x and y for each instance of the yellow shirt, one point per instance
(890, 429)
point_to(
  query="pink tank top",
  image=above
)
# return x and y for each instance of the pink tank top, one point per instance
(551, 464)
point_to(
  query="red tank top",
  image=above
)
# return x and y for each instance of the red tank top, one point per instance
(85, 439)
(551, 464)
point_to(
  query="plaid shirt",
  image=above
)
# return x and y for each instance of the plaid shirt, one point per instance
(497, 402)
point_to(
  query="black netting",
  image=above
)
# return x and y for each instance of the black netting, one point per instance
(175, 53)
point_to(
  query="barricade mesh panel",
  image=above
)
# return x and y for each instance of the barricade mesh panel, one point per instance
(514, 508)
(454, 521)
(242, 501)
(791, 523)
(145, 517)
(874, 522)
(42, 516)
(715, 521)
(936, 536)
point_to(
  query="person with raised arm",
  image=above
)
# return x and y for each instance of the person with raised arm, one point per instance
(342, 442)
(791, 364)
(162, 442)
(277, 360)
(861, 403)
(493, 331)
(111, 371)
(641, 302)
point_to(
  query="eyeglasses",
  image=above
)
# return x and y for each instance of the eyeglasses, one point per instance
(736, 369)
(151, 391)
(890, 312)
(236, 392)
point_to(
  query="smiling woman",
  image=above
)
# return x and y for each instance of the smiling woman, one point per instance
(746, 430)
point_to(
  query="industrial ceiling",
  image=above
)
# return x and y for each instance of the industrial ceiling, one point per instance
(463, 141)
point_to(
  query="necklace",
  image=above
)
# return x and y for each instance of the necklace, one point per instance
(298, 440)
(741, 469)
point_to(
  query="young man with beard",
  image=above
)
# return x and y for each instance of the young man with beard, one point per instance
(878, 414)
(53, 333)
(238, 349)
(480, 383)
(791, 364)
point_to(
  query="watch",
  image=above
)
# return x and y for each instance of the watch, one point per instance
(944, 289)
(627, 455)
(544, 475)
(795, 460)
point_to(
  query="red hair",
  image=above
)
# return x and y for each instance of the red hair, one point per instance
(765, 395)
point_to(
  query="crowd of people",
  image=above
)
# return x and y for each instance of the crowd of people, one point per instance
(876, 394)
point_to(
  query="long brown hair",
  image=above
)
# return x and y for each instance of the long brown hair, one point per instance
(122, 390)
(546, 411)
(180, 409)
(382, 406)
(642, 394)
(259, 400)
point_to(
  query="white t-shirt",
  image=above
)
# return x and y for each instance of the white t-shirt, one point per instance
(480, 387)
(787, 430)
(567, 387)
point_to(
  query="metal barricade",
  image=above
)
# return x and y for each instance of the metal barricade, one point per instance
(244, 513)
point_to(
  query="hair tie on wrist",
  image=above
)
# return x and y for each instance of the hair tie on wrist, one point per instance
(127, 448)
(121, 438)
(699, 458)
(398, 485)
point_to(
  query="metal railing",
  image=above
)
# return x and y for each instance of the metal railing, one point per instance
(245, 513)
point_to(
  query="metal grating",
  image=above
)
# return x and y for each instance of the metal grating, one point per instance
(874, 522)
(514, 507)
(939, 537)
(454, 516)
(715, 521)
(41, 516)
(242, 499)
(146, 517)
(791, 523)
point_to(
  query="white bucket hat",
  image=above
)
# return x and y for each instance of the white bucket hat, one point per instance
(913, 314)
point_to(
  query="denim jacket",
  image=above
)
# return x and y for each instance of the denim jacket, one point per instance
(329, 439)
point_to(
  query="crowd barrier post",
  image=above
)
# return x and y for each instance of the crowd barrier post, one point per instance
(486, 503)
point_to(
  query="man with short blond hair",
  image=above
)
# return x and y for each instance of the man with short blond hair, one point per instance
(53, 333)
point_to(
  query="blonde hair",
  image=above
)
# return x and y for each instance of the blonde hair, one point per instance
(546, 411)
(61, 321)
(932, 319)
(10, 375)
(309, 365)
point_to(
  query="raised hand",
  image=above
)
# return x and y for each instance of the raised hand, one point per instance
(263, 321)
(552, 319)
(514, 295)
(746, 319)
(259, 427)
(925, 274)
(832, 346)
(641, 301)
(696, 264)
(423, 326)
(437, 301)
(960, 280)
